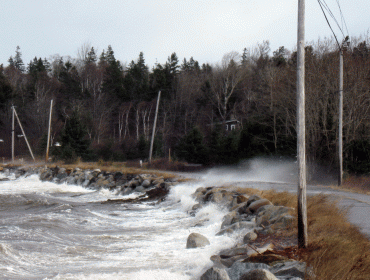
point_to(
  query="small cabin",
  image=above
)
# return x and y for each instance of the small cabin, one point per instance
(230, 125)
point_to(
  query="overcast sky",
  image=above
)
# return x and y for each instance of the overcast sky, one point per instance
(203, 29)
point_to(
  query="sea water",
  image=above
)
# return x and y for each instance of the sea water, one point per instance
(51, 231)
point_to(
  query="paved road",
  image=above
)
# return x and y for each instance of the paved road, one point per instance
(357, 204)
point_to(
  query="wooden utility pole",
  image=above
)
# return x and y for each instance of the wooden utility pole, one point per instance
(49, 129)
(301, 128)
(340, 130)
(24, 135)
(12, 133)
(153, 133)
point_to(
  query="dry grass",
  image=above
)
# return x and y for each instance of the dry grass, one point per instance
(359, 184)
(337, 249)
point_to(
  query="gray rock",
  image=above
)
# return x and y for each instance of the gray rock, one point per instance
(215, 273)
(254, 206)
(258, 274)
(196, 240)
(146, 183)
(228, 253)
(290, 269)
(239, 268)
(250, 236)
(140, 189)
(236, 226)
(253, 198)
(228, 218)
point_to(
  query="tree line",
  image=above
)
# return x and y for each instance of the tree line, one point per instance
(104, 109)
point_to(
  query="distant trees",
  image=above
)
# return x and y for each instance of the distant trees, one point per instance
(115, 103)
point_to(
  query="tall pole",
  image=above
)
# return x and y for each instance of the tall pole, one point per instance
(153, 133)
(340, 130)
(24, 134)
(12, 133)
(301, 134)
(49, 129)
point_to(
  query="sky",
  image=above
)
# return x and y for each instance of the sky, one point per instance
(202, 29)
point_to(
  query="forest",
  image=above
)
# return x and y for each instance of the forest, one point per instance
(104, 109)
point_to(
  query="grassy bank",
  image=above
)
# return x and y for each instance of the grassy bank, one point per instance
(336, 250)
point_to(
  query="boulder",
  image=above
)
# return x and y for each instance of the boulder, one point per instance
(146, 183)
(250, 236)
(196, 240)
(254, 206)
(269, 214)
(228, 218)
(253, 198)
(215, 273)
(239, 268)
(228, 253)
(258, 274)
(236, 226)
(290, 269)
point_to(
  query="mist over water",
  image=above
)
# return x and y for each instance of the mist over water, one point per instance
(269, 169)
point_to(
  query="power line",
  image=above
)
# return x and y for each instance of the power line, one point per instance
(341, 14)
(332, 15)
(321, 6)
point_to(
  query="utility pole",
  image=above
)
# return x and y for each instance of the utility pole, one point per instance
(49, 129)
(24, 134)
(12, 133)
(345, 44)
(301, 128)
(340, 130)
(153, 133)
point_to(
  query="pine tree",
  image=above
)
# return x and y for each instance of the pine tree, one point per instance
(91, 56)
(18, 62)
(191, 147)
(11, 61)
(75, 142)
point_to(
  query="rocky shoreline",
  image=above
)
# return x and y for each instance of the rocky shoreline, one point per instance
(151, 186)
(255, 219)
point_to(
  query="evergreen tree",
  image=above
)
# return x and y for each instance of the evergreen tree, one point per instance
(215, 144)
(18, 62)
(11, 61)
(113, 76)
(91, 56)
(191, 147)
(102, 58)
(75, 142)
(136, 81)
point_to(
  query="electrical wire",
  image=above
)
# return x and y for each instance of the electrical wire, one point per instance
(332, 15)
(321, 6)
(341, 14)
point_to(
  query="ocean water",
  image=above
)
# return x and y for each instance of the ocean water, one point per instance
(50, 231)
